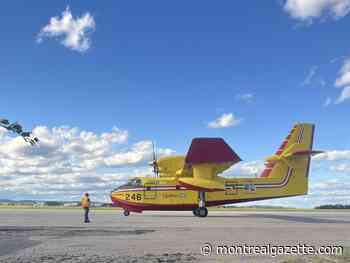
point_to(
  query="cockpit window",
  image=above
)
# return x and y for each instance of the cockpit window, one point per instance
(134, 182)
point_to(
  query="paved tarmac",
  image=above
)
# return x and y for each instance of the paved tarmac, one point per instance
(58, 235)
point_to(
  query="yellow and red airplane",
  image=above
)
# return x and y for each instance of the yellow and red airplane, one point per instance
(192, 182)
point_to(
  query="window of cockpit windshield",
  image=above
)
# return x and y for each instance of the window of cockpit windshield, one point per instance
(135, 182)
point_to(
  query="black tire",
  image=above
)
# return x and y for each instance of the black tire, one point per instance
(126, 212)
(202, 211)
(195, 211)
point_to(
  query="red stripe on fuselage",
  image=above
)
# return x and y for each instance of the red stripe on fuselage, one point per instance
(198, 188)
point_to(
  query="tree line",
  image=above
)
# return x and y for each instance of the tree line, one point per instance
(336, 206)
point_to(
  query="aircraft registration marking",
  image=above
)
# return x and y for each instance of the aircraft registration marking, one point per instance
(135, 197)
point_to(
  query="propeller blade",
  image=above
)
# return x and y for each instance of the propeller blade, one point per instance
(155, 166)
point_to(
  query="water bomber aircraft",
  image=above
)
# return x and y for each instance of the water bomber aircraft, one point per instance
(193, 183)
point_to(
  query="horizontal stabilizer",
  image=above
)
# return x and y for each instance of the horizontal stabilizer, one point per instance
(295, 152)
(210, 150)
(306, 153)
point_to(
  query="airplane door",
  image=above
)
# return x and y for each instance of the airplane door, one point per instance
(149, 194)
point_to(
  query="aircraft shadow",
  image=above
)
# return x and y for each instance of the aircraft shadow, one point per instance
(298, 219)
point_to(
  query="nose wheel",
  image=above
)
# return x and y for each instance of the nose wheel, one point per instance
(126, 213)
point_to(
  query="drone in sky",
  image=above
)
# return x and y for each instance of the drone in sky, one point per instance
(17, 128)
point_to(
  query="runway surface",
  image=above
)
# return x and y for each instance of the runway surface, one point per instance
(49, 235)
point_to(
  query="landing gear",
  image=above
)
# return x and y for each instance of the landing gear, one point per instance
(201, 197)
(126, 212)
(201, 211)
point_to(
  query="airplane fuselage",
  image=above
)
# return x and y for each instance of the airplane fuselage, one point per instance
(165, 194)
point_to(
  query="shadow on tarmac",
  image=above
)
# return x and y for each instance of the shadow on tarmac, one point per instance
(298, 219)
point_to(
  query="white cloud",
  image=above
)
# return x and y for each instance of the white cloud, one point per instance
(245, 169)
(342, 167)
(312, 79)
(336, 59)
(333, 155)
(331, 189)
(73, 31)
(344, 95)
(310, 75)
(68, 161)
(327, 102)
(322, 82)
(344, 75)
(307, 10)
(140, 152)
(246, 97)
(117, 136)
(224, 121)
(343, 81)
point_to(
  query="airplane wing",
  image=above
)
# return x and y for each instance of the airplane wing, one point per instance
(207, 157)
(211, 151)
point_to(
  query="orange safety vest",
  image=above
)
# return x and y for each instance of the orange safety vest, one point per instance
(85, 202)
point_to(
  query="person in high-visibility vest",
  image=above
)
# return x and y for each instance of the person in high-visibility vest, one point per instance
(85, 204)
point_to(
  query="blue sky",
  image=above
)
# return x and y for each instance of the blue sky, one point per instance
(163, 71)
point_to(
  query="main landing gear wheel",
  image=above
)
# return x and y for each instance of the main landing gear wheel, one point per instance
(200, 212)
(126, 212)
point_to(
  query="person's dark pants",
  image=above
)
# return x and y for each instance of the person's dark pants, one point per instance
(86, 215)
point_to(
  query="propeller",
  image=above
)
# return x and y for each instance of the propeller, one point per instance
(154, 161)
